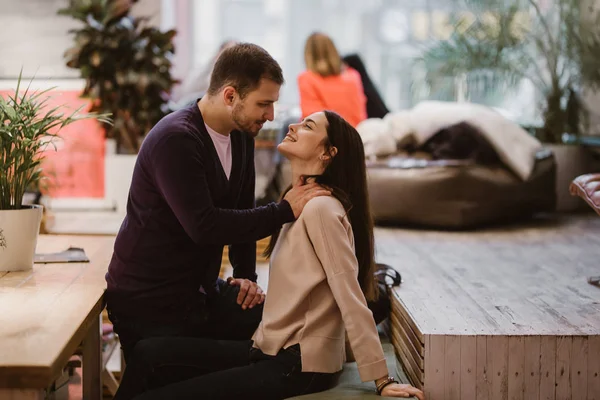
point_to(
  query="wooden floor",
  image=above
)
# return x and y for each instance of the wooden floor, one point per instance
(499, 314)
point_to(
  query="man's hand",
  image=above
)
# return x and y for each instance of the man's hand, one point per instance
(301, 193)
(250, 293)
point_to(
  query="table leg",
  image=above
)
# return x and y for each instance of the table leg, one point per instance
(92, 363)
(22, 394)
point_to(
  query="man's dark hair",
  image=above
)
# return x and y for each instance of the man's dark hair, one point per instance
(243, 66)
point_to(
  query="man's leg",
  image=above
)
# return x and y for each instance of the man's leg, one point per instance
(161, 361)
(132, 330)
(227, 320)
(268, 379)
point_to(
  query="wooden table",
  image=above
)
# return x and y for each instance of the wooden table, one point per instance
(47, 313)
(503, 313)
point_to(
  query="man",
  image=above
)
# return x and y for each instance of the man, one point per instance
(192, 192)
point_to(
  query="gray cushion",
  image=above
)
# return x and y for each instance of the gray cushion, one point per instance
(350, 386)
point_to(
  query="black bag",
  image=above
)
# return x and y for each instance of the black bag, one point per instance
(386, 276)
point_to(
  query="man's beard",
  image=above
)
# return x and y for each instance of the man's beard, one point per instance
(244, 124)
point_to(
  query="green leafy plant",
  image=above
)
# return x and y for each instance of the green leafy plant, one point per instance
(27, 128)
(126, 66)
(503, 42)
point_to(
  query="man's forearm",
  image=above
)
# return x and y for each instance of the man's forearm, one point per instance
(243, 259)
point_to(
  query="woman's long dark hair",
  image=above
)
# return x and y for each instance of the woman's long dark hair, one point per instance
(346, 175)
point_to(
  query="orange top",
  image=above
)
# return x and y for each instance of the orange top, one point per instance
(340, 93)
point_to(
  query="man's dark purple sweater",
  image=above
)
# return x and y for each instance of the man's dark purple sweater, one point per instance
(181, 212)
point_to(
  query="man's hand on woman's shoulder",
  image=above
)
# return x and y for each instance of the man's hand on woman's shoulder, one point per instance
(301, 193)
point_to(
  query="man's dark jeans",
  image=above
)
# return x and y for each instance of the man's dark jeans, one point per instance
(221, 318)
(200, 368)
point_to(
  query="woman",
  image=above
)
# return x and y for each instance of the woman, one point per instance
(328, 84)
(376, 107)
(321, 271)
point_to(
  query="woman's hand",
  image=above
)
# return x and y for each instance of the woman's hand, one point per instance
(401, 390)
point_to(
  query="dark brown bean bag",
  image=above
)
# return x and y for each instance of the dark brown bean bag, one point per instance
(457, 194)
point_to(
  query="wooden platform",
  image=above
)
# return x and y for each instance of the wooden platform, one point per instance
(498, 314)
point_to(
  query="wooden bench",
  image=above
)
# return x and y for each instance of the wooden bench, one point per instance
(503, 313)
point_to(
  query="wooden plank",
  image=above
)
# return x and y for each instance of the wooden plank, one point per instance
(407, 359)
(531, 380)
(435, 377)
(428, 368)
(564, 349)
(499, 366)
(414, 375)
(411, 335)
(483, 379)
(516, 367)
(579, 368)
(452, 367)
(409, 346)
(548, 368)
(594, 367)
(468, 367)
(413, 324)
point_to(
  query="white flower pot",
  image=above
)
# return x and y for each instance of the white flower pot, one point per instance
(19, 231)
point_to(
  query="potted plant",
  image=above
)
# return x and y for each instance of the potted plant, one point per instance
(27, 128)
(556, 47)
(126, 65)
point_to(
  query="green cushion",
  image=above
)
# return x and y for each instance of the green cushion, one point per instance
(350, 386)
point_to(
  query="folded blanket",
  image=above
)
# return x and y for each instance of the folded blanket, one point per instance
(516, 148)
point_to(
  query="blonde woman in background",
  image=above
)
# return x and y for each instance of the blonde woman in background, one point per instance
(328, 84)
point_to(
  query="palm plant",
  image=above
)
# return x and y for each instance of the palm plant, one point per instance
(502, 42)
(126, 66)
(27, 128)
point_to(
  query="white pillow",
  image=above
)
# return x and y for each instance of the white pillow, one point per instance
(514, 145)
(375, 134)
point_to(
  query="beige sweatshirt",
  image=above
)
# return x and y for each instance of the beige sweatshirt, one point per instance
(314, 296)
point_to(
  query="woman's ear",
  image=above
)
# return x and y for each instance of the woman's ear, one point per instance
(333, 151)
(330, 154)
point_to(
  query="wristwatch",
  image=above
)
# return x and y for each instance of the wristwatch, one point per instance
(384, 383)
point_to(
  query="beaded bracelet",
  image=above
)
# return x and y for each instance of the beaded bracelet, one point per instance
(387, 381)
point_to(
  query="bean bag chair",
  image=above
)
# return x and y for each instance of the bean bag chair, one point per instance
(457, 194)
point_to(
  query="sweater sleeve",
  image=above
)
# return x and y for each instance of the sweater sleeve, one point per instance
(323, 218)
(310, 102)
(179, 175)
(242, 256)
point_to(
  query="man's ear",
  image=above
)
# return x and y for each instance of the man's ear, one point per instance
(229, 95)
